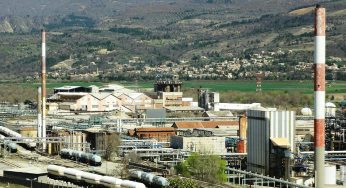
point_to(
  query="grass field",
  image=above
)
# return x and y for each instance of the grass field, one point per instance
(216, 85)
(294, 93)
(250, 85)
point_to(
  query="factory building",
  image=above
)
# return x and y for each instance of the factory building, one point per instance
(208, 100)
(89, 102)
(172, 85)
(101, 139)
(72, 89)
(76, 140)
(208, 145)
(93, 99)
(159, 133)
(171, 98)
(133, 101)
(204, 124)
(270, 141)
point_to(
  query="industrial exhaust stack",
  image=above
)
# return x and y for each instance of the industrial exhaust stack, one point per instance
(39, 113)
(43, 79)
(319, 88)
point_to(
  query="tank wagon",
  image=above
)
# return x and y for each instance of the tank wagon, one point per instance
(10, 146)
(27, 141)
(90, 178)
(81, 156)
(149, 178)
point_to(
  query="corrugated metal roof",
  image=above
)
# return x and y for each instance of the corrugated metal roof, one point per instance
(68, 87)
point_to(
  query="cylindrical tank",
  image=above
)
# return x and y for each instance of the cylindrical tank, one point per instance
(77, 154)
(241, 146)
(56, 170)
(136, 174)
(91, 178)
(330, 178)
(132, 184)
(147, 177)
(160, 181)
(110, 181)
(306, 111)
(12, 147)
(95, 159)
(73, 173)
(330, 109)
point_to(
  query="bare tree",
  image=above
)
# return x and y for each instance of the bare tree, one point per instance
(112, 143)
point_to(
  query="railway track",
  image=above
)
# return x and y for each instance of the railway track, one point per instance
(9, 163)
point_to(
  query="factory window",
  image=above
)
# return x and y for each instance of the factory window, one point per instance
(95, 106)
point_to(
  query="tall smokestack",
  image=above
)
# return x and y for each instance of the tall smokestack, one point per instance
(39, 113)
(319, 87)
(43, 61)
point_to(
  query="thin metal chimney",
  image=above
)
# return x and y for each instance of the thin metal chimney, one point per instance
(43, 76)
(39, 113)
(319, 87)
(242, 134)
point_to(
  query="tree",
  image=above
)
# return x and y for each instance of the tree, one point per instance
(112, 143)
(210, 168)
(181, 183)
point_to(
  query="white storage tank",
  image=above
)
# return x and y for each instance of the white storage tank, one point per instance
(136, 174)
(91, 178)
(56, 170)
(306, 111)
(330, 109)
(73, 173)
(330, 172)
(161, 181)
(132, 184)
(110, 181)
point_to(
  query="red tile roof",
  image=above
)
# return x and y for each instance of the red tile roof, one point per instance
(203, 124)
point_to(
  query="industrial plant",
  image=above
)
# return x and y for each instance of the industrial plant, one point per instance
(117, 136)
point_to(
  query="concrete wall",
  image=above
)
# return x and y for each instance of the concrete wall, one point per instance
(209, 145)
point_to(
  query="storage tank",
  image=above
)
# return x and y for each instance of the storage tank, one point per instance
(147, 177)
(330, 178)
(56, 170)
(73, 173)
(76, 154)
(110, 181)
(330, 109)
(95, 159)
(306, 111)
(161, 181)
(91, 178)
(132, 184)
(136, 174)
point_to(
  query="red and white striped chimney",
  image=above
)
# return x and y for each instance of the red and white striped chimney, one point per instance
(319, 87)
